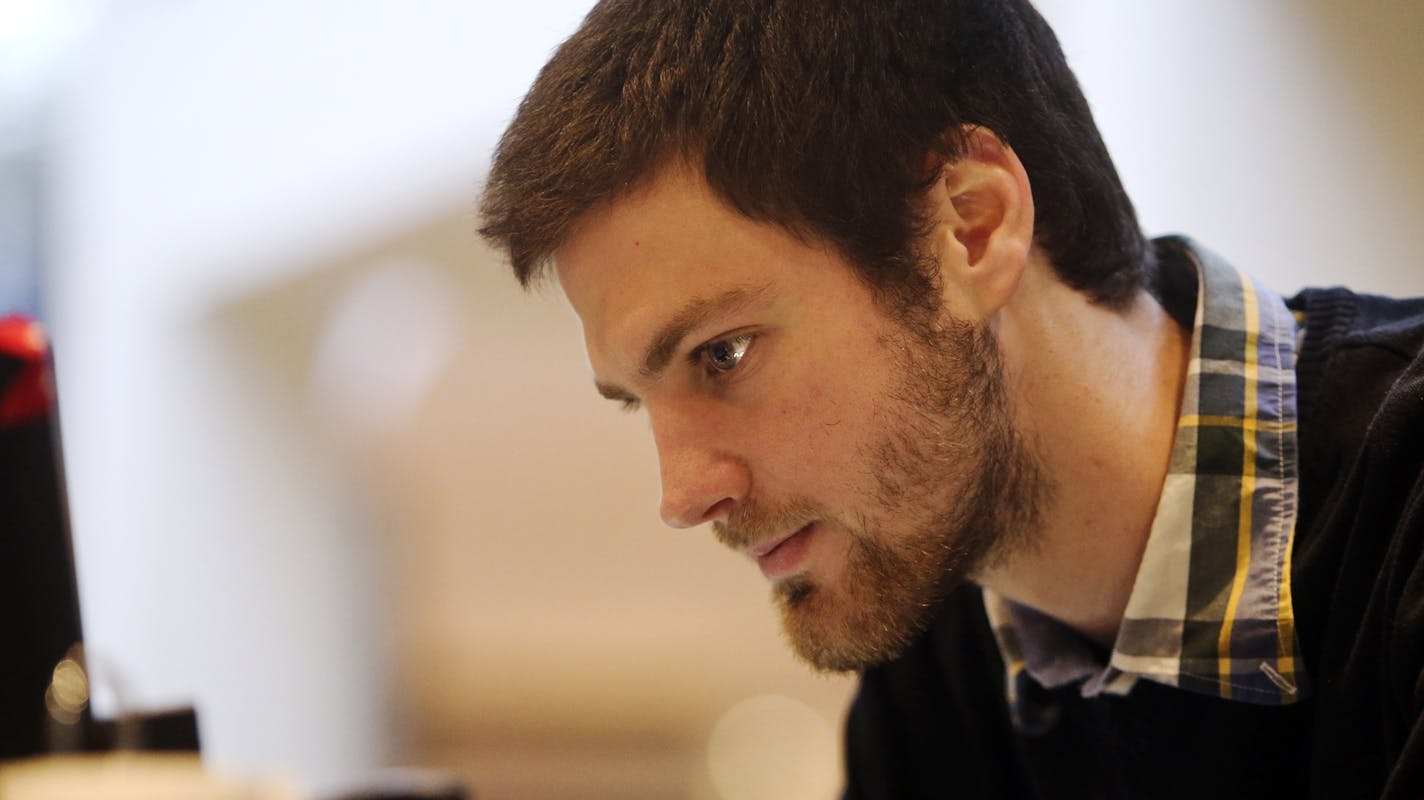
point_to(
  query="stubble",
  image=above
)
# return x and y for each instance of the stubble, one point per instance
(954, 490)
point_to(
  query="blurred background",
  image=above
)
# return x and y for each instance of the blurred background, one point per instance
(338, 484)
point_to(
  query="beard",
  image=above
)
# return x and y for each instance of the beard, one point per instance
(953, 490)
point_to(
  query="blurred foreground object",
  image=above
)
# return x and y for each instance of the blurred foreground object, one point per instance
(42, 682)
(407, 784)
(126, 776)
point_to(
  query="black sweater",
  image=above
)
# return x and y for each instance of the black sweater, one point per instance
(934, 722)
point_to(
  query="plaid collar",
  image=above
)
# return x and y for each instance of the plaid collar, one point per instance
(1210, 611)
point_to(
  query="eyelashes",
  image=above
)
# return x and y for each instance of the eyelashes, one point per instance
(716, 360)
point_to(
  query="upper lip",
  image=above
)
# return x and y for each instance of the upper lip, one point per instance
(767, 545)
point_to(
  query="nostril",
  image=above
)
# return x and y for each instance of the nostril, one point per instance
(719, 510)
(690, 515)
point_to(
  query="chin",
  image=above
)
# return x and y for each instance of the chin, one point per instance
(835, 631)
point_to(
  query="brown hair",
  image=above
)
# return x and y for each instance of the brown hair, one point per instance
(818, 116)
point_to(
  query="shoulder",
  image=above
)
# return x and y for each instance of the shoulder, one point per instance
(1359, 555)
(1378, 334)
(1360, 376)
(1361, 420)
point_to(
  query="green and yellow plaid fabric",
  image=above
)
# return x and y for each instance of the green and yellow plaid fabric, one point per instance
(1210, 611)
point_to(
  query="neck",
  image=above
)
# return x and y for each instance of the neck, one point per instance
(1097, 395)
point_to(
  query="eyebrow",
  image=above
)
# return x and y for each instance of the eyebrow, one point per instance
(669, 336)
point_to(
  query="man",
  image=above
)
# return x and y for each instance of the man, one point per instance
(1092, 516)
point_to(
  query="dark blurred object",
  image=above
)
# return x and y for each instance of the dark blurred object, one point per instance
(174, 731)
(408, 784)
(43, 688)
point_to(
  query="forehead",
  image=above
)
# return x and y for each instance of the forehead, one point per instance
(627, 265)
(656, 238)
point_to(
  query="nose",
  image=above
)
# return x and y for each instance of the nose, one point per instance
(702, 479)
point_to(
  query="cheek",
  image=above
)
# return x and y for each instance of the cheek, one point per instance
(812, 409)
(821, 422)
(818, 433)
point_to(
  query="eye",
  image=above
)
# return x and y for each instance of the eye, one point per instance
(721, 356)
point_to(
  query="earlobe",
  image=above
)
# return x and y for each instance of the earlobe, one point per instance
(983, 207)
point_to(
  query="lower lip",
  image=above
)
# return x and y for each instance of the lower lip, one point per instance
(787, 556)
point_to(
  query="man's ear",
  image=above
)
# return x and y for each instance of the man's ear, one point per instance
(981, 208)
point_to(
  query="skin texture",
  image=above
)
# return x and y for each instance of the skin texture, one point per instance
(783, 397)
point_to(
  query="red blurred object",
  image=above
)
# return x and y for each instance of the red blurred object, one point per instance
(26, 385)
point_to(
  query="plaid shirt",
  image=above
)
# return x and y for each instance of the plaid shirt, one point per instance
(1210, 610)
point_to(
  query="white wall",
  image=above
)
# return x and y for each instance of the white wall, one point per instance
(205, 148)
(1282, 133)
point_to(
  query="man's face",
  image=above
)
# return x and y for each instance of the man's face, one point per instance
(866, 465)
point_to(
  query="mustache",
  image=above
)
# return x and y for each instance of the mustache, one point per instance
(754, 522)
